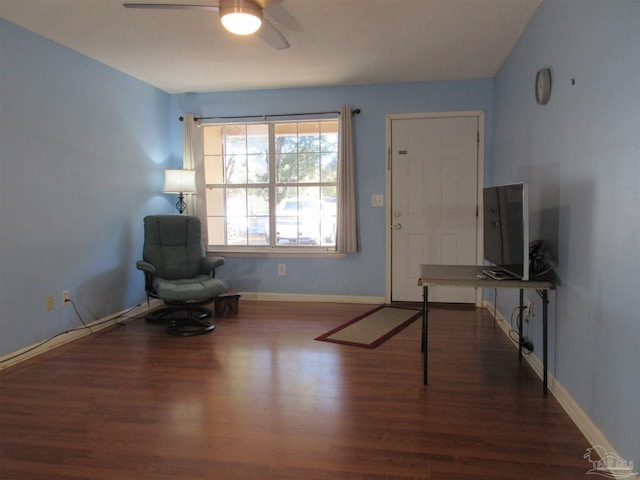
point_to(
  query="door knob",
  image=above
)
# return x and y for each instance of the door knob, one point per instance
(397, 226)
(397, 213)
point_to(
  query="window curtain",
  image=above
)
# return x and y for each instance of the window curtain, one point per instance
(192, 159)
(346, 228)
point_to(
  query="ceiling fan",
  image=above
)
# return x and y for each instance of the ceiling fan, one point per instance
(242, 17)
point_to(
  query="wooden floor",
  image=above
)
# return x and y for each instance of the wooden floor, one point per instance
(260, 399)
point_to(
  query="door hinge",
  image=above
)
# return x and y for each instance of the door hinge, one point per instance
(478, 136)
(389, 158)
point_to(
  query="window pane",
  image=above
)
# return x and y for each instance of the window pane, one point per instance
(289, 231)
(235, 139)
(215, 202)
(328, 215)
(329, 136)
(212, 139)
(213, 169)
(213, 165)
(237, 165)
(258, 216)
(236, 169)
(258, 153)
(286, 137)
(309, 168)
(308, 152)
(215, 216)
(216, 230)
(309, 137)
(287, 168)
(301, 219)
(258, 168)
(329, 168)
(236, 216)
(258, 139)
(329, 194)
(309, 196)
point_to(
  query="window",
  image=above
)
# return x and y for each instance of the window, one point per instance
(271, 185)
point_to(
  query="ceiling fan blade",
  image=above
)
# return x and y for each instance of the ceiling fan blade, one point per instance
(268, 33)
(272, 36)
(267, 3)
(170, 6)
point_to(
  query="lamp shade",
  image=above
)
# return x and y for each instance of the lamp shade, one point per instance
(179, 181)
(242, 17)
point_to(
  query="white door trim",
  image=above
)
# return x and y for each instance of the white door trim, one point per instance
(388, 219)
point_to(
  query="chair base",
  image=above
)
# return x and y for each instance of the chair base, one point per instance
(184, 320)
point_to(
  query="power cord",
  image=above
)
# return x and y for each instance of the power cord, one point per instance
(538, 265)
(78, 314)
(539, 261)
(527, 345)
(84, 327)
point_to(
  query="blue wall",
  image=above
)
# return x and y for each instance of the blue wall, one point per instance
(580, 154)
(82, 149)
(361, 274)
(83, 153)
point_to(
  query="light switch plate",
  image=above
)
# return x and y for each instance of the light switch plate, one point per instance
(377, 200)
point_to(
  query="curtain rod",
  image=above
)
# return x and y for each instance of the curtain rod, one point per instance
(354, 112)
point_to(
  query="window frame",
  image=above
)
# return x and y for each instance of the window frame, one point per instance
(272, 185)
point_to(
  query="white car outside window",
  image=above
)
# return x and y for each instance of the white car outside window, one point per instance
(305, 221)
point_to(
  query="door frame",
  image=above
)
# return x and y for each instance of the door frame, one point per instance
(479, 114)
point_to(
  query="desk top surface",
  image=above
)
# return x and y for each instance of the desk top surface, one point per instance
(472, 276)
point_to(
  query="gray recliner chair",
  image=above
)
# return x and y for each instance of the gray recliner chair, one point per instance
(178, 272)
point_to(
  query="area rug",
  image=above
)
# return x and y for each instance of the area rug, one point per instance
(372, 328)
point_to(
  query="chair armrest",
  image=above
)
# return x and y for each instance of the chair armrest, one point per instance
(145, 266)
(209, 264)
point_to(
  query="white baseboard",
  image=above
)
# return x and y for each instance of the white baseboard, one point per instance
(31, 351)
(591, 432)
(304, 297)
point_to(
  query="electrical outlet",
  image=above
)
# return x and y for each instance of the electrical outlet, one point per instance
(51, 303)
(282, 269)
(66, 299)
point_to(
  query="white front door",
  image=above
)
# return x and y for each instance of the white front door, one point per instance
(434, 202)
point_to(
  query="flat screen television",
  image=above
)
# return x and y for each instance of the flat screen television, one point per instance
(506, 230)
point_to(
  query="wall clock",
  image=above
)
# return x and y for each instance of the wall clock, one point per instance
(543, 86)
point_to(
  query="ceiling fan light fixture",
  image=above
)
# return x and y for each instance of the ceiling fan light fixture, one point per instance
(241, 17)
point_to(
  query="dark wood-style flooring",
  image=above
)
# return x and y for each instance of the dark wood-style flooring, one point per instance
(260, 399)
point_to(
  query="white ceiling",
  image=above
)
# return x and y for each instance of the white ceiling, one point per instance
(333, 42)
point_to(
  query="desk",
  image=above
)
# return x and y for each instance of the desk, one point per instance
(471, 276)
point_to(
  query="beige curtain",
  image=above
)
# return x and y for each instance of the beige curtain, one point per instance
(346, 229)
(192, 158)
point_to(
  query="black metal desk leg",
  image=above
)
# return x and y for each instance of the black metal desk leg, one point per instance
(520, 322)
(545, 301)
(425, 329)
